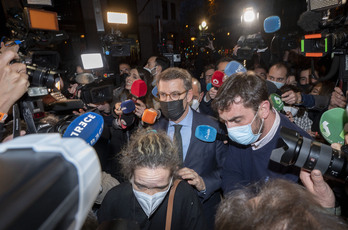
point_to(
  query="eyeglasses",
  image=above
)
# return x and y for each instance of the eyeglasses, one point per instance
(174, 95)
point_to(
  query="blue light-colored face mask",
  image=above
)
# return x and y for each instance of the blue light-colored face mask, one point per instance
(278, 84)
(244, 134)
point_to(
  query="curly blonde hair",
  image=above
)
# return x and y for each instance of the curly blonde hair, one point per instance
(151, 149)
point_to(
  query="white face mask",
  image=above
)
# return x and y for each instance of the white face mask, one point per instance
(291, 109)
(150, 203)
(195, 104)
(151, 71)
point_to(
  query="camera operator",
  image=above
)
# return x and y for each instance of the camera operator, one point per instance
(203, 59)
(13, 83)
(9, 45)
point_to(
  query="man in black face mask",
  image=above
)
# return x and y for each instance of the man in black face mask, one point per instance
(201, 161)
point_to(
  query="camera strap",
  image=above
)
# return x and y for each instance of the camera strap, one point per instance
(28, 117)
(16, 121)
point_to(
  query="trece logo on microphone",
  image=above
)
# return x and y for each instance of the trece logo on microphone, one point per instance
(83, 124)
(88, 126)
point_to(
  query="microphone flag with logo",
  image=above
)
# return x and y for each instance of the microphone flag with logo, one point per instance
(206, 133)
(88, 126)
(276, 101)
(217, 78)
(332, 125)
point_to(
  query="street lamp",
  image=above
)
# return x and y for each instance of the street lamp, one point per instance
(203, 26)
(249, 15)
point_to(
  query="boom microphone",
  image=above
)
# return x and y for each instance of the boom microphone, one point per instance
(271, 24)
(309, 21)
(139, 88)
(88, 126)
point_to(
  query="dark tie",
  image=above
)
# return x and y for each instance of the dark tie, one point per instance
(178, 141)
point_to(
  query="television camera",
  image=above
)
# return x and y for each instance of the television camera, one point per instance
(34, 30)
(204, 39)
(116, 46)
(249, 45)
(94, 88)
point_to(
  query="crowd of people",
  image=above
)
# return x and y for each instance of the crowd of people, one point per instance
(165, 176)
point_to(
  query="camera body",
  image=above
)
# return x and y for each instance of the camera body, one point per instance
(203, 40)
(116, 46)
(249, 44)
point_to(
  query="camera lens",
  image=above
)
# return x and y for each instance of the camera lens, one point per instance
(305, 153)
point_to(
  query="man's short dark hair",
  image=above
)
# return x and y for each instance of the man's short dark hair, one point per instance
(176, 73)
(163, 62)
(251, 88)
(223, 59)
(277, 204)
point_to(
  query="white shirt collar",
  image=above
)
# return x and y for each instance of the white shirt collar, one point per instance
(269, 136)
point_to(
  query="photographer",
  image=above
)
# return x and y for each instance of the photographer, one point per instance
(13, 83)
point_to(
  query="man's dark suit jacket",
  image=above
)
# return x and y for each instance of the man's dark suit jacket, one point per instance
(206, 159)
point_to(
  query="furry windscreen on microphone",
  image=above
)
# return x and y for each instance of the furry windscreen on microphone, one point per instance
(309, 21)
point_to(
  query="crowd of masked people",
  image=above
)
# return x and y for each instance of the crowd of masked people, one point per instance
(160, 174)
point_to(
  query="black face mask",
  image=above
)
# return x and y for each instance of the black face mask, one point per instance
(304, 88)
(172, 110)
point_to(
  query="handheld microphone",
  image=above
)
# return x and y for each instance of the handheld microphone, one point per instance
(155, 92)
(276, 101)
(217, 78)
(271, 24)
(234, 67)
(332, 124)
(139, 88)
(209, 86)
(207, 133)
(127, 106)
(88, 126)
(127, 120)
(149, 116)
